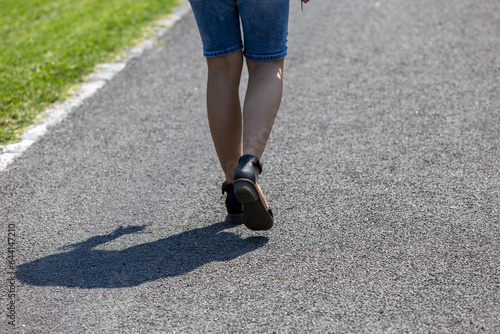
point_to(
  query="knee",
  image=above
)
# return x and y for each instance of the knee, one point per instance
(265, 68)
(230, 64)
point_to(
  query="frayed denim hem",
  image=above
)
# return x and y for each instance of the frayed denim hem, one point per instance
(225, 52)
(267, 57)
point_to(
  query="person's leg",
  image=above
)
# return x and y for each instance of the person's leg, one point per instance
(224, 109)
(265, 29)
(262, 101)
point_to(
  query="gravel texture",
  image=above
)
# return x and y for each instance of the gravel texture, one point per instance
(382, 170)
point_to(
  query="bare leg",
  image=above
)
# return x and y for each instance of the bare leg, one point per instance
(262, 101)
(224, 109)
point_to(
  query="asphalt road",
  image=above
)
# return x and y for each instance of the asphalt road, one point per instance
(383, 171)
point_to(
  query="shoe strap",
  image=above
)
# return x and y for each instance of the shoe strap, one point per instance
(253, 159)
(227, 187)
(245, 169)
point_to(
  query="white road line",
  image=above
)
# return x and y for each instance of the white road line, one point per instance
(95, 81)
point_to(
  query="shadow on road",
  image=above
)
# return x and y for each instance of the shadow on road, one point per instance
(84, 267)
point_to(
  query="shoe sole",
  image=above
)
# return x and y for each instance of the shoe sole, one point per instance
(255, 215)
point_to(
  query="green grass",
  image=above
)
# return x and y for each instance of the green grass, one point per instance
(48, 46)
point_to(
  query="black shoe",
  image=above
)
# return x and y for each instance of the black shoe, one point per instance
(256, 213)
(233, 206)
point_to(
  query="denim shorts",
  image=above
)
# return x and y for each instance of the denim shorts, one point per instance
(264, 24)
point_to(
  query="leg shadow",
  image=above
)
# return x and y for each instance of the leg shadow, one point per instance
(86, 268)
